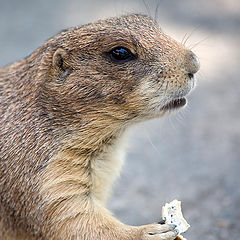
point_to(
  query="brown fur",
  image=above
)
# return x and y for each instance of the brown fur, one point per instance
(64, 110)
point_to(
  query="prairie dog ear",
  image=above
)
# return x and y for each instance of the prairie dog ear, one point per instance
(61, 69)
(59, 58)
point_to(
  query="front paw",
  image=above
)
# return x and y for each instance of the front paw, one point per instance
(158, 232)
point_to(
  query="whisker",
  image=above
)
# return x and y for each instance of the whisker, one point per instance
(170, 120)
(156, 11)
(184, 38)
(147, 8)
(190, 34)
(151, 142)
(198, 43)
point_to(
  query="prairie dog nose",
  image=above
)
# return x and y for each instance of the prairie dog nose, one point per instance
(192, 62)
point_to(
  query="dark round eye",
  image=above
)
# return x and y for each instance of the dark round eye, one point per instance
(121, 54)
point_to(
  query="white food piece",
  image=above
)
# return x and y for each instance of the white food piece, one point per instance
(173, 214)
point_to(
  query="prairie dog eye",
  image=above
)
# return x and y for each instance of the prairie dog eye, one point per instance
(121, 54)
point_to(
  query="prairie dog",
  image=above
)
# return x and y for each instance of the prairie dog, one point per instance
(64, 110)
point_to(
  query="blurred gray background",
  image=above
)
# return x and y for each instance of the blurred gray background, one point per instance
(194, 155)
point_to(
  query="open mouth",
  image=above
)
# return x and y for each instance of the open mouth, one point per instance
(174, 104)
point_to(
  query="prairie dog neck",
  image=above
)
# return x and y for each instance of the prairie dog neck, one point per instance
(106, 168)
(87, 174)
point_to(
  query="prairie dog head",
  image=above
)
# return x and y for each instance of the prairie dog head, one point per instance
(120, 69)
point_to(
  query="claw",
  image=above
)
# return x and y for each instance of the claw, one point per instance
(163, 221)
(176, 231)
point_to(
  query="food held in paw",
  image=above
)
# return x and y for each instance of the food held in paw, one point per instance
(172, 213)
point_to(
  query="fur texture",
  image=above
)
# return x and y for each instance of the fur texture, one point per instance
(64, 110)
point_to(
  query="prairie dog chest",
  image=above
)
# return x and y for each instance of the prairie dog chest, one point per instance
(106, 168)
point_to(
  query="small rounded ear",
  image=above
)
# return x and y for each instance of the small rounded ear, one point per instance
(61, 69)
(59, 57)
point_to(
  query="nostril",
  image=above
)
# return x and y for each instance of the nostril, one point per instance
(190, 75)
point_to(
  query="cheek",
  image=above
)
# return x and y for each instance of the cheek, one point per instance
(149, 88)
(124, 94)
(173, 80)
(177, 82)
(117, 99)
